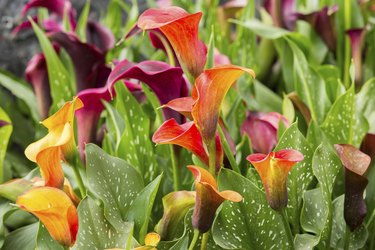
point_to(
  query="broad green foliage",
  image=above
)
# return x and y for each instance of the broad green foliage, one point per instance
(44, 240)
(249, 224)
(22, 238)
(365, 103)
(5, 133)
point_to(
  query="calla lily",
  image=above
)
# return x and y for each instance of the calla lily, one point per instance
(273, 170)
(36, 73)
(151, 241)
(208, 93)
(59, 141)
(208, 198)
(165, 81)
(55, 210)
(356, 163)
(187, 136)
(281, 12)
(183, 105)
(323, 23)
(262, 130)
(181, 30)
(176, 205)
(368, 145)
(357, 38)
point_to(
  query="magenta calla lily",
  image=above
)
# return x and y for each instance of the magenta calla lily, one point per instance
(281, 12)
(100, 36)
(165, 81)
(357, 38)
(262, 130)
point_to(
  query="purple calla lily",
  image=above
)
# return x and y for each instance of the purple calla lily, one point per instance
(165, 81)
(323, 23)
(262, 130)
(100, 36)
(281, 12)
(357, 37)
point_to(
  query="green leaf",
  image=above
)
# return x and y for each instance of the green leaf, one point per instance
(44, 240)
(21, 90)
(114, 181)
(365, 103)
(95, 232)
(331, 76)
(135, 146)
(22, 238)
(5, 133)
(305, 241)
(342, 124)
(141, 208)
(210, 50)
(309, 85)
(115, 124)
(300, 175)
(250, 224)
(58, 76)
(326, 166)
(265, 100)
(288, 109)
(82, 22)
(262, 29)
(357, 238)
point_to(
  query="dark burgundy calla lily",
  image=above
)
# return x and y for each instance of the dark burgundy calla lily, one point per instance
(187, 136)
(281, 12)
(356, 164)
(357, 37)
(262, 130)
(323, 23)
(99, 36)
(165, 81)
(36, 73)
(368, 145)
(60, 7)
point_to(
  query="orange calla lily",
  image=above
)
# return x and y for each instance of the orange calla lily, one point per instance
(59, 141)
(208, 198)
(273, 170)
(181, 30)
(187, 136)
(182, 105)
(55, 210)
(209, 92)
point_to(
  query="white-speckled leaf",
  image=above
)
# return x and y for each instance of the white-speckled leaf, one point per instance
(357, 238)
(309, 85)
(301, 174)
(249, 224)
(114, 181)
(326, 166)
(5, 133)
(365, 102)
(140, 210)
(135, 145)
(96, 233)
(305, 241)
(44, 240)
(343, 124)
(22, 238)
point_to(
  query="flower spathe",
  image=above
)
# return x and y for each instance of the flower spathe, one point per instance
(208, 93)
(208, 198)
(58, 144)
(273, 170)
(55, 210)
(181, 30)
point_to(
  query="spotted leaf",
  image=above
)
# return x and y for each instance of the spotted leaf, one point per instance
(5, 132)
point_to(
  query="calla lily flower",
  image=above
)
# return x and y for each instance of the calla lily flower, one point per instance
(357, 38)
(209, 92)
(368, 145)
(323, 23)
(187, 136)
(36, 73)
(273, 170)
(281, 12)
(208, 198)
(99, 36)
(165, 81)
(151, 241)
(176, 205)
(181, 30)
(356, 163)
(183, 105)
(55, 210)
(59, 141)
(262, 130)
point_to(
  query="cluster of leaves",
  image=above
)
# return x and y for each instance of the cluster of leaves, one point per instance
(315, 66)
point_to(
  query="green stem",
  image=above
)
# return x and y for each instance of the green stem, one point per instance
(212, 157)
(347, 238)
(372, 217)
(168, 49)
(288, 231)
(205, 240)
(347, 54)
(79, 180)
(228, 151)
(176, 172)
(194, 240)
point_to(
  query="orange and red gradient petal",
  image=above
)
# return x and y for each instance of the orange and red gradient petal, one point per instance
(182, 105)
(55, 210)
(208, 93)
(181, 30)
